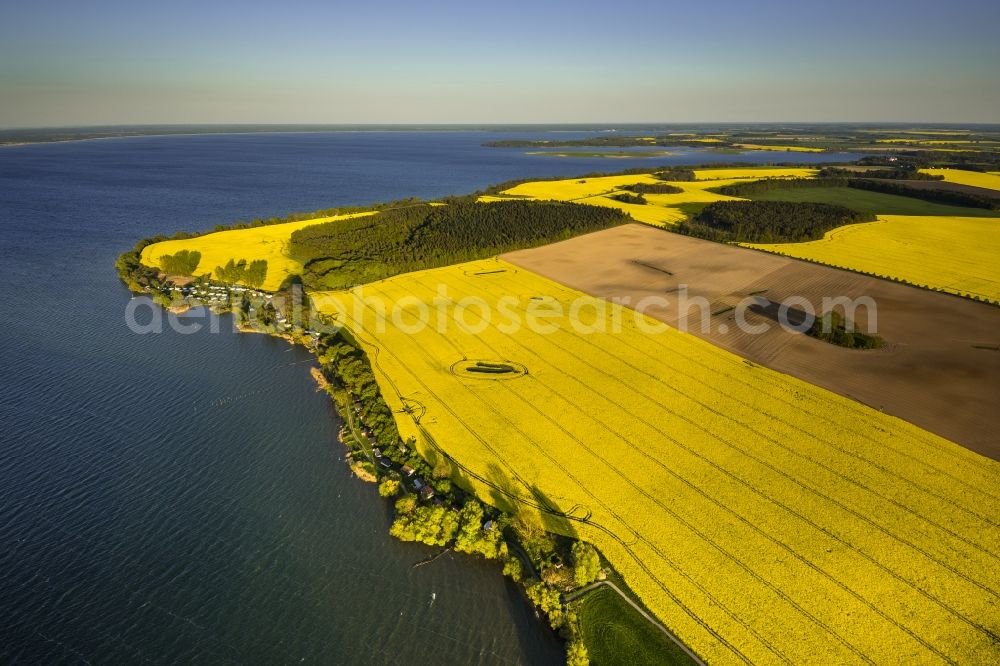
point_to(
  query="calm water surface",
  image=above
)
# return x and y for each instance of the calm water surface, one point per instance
(182, 498)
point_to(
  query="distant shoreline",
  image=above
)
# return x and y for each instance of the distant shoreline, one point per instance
(24, 136)
(171, 134)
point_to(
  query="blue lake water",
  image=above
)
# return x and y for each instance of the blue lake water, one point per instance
(177, 498)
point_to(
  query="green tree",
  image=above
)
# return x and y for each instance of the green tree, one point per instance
(576, 653)
(432, 525)
(512, 567)
(473, 537)
(548, 601)
(586, 563)
(406, 504)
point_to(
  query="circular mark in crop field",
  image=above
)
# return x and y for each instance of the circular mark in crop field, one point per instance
(485, 369)
(489, 272)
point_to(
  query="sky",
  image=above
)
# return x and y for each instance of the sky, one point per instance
(370, 61)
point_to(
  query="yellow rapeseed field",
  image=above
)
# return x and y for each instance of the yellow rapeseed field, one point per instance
(267, 242)
(573, 189)
(953, 254)
(764, 520)
(937, 142)
(655, 215)
(754, 173)
(660, 209)
(973, 178)
(792, 149)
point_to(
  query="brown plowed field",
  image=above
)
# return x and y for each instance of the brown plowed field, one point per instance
(939, 368)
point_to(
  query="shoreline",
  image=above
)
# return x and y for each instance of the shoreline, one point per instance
(367, 464)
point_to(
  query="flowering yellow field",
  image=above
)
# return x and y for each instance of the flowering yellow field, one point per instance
(764, 520)
(660, 209)
(974, 178)
(573, 189)
(791, 149)
(953, 254)
(268, 242)
(754, 173)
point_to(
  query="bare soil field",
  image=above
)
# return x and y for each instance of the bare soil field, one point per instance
(939, 367)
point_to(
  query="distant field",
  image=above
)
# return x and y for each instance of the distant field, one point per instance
(761, 518)
(754, 172)
(990, 181)
(266, 242)
(934, 142)
(615, 635)
(873, 202)
(661, 210)
(953, 254)
(610, 153)
(793, 149)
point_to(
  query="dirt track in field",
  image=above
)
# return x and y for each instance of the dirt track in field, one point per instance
(939, 369)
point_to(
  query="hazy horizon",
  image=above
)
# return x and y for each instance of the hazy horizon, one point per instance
(115, 63)
(582, 126)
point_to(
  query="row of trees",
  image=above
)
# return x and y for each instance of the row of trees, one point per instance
(943, 195)
(751, 188)
(656, 188)
(969, 160)
(546, 564)
(904, 173)
(240, 272)
(769, 221)
(349, 252)
(346, 367)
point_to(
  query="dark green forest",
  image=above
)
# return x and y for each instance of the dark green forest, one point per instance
(940, 196)
(345, 253)
(905, 173)
(626, 197)
(654, 188)
(943, 195)
(769, 221)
